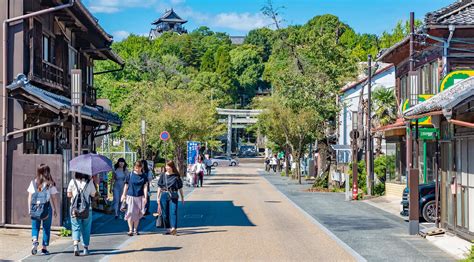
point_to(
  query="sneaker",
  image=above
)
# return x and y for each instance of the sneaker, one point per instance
(76, 250)
(85, 252)
(34, 248)
(44, 252)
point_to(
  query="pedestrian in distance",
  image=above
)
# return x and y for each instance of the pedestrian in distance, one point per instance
(198, 169)
(274, 163)
(146, 170)
(170, 184)
(208, 163)
(42, 205)
(118, 180)
(81, 189)
(134, 193)
(267, 164)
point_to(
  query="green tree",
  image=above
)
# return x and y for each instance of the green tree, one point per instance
(261, 37)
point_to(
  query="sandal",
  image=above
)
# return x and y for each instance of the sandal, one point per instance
(173, 231)
(130, 233)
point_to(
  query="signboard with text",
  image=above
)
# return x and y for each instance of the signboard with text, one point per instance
(192, 152)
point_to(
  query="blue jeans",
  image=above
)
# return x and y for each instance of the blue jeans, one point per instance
(82, 227)
(35, 228)
(169, 210)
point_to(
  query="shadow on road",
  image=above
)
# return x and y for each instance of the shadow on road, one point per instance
(212, 213)
(226, 183)
(100, 252)
(197, 231)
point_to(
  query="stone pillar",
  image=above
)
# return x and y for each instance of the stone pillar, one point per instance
(229, 135)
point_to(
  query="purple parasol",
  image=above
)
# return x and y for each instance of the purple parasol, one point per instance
(90, 164)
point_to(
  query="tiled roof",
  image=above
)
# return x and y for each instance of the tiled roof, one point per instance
(61, 103)
(445, 100)
(459, 13)
(169, 16)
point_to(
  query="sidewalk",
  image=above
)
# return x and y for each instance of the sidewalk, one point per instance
(108, 234)
(448, 242)
(375, 234)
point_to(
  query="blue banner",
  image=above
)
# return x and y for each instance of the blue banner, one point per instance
(193, 152)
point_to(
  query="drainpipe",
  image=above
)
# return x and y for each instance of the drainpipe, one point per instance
(5, 98)
(446, 45)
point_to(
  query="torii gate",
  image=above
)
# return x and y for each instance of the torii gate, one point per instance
(237, 118)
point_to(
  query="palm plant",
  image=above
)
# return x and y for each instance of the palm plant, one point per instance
(385, 111)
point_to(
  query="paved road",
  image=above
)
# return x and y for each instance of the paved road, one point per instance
(373, 233)
(237, 216)
(242, 214)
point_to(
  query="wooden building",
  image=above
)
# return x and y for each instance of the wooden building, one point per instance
(443, 50)
(168, 22)
(42, 50)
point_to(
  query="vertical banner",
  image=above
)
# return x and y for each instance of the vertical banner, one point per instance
(193, 152)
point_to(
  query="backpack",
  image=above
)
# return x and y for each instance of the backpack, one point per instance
(39, 209)
(80, 203)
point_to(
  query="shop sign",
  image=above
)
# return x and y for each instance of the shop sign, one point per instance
(423, 121)
(427, 133)
(452, 78)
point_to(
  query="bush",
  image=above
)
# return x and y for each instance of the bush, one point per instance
(65, 232)
(379, 189)
(384, 165)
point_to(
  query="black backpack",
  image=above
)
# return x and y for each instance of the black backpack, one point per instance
(80, 203)
(39, 209)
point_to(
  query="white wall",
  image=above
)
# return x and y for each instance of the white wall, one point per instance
(350, 102)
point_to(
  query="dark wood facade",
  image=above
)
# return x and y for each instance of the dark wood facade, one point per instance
(445, 44)
(45, 48)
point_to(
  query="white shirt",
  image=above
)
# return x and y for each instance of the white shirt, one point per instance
(52, 190)
(90, 190)
(199, 167)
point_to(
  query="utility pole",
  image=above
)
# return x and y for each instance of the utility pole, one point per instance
(143, 138)
(370, 153)
(413, 173)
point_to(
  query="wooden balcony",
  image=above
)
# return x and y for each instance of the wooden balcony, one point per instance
(50, 75)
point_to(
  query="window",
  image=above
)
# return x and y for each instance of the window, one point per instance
(425, 79)
(403, 88)
(434, 77)
(72, 54)
(46, 48)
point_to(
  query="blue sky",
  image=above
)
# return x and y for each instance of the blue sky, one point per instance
(237, 17)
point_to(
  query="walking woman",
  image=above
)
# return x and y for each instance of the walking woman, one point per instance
(82, 186)
(134, 192)
(42, 185)
(118, 180)
(170, 183)
(198, 170)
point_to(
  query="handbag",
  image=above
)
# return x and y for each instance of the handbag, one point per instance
(123, 206)
(159, 222)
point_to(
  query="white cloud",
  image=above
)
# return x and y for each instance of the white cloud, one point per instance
(119, 35)
(240, 21)
(113, 6)
(236, 21)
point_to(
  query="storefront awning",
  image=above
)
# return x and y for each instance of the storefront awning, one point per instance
(444, 102)
(399, 124)
(62, 104)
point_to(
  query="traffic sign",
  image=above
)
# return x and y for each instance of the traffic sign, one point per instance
(164, 135)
